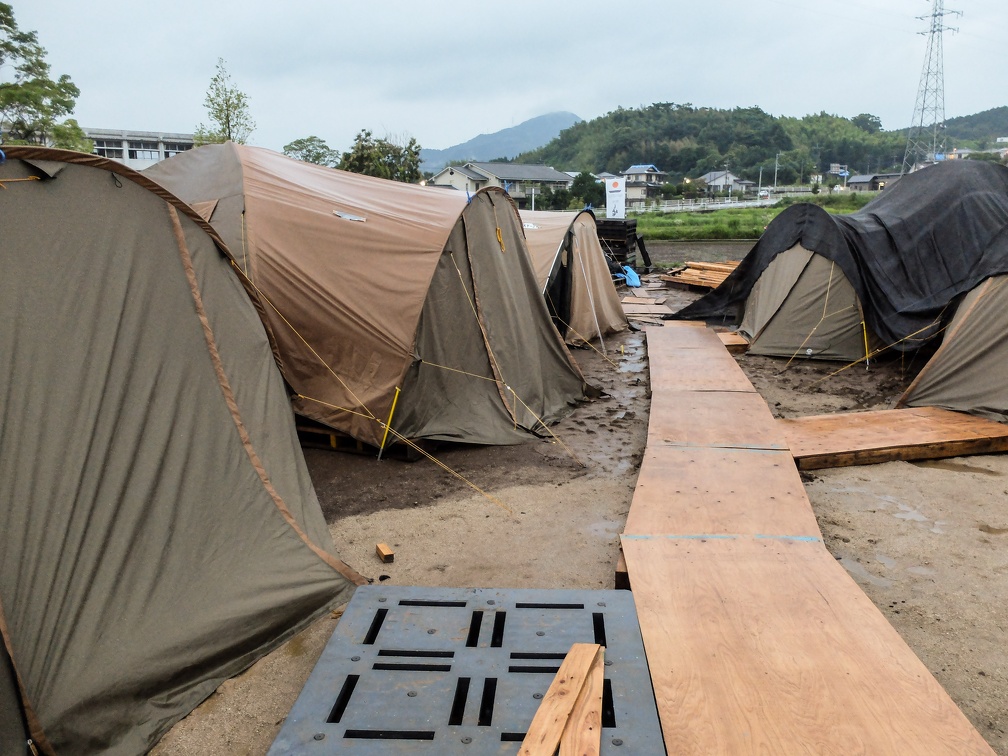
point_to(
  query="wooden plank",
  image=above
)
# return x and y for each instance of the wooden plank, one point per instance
(688, 490)
(734, 342)
(621, 581)
(643, 300)
(687, 369)
(384, 552)
(677, 334)
(543, 735)
(646, 309)
(725, 419)
(862, 438)
(583, 734)
(768, 646)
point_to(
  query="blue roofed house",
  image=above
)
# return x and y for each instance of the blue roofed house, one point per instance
(643, 184)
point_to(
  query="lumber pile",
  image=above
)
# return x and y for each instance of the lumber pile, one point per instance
(708, 275)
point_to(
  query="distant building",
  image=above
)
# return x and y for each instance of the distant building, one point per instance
(643, 184)
(723, 181)
(138, 149)
(871, 182)
(519, 180)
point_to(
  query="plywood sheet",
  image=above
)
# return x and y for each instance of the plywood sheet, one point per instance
(734, 342)
(679, 334)
(733, 419)
(768, 646)
(689, 490)
(687, 369)
(646, 309)
(861, 438)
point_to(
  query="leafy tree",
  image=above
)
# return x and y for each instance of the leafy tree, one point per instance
(551, 199)
(384, 158)
(312, 149)
(868, 122)
(70, 136)
(588, 190)
(228, 110)
(31, 102)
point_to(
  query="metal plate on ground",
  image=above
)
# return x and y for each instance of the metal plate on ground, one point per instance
(463, 670)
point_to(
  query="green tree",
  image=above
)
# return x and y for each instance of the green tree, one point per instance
(31, 102)
(312, 149)
(228, 110)
(70, 136)
(868, 122)
(588, 189)
(384, 158)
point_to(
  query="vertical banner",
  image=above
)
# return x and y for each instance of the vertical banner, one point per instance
(616, 198)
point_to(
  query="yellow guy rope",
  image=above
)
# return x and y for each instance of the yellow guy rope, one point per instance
(3, 184)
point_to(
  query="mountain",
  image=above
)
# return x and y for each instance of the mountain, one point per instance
(983, 127)
(506, 143)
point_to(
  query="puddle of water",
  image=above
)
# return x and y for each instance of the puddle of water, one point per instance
(909, 513)
(886, 561)
(947, 464)
(858, 572)
(923, 571)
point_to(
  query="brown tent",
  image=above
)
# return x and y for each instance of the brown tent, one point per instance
(373, 286)
(573, 275)
(158, 527)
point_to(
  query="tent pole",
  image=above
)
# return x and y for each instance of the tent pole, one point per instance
(388, 424)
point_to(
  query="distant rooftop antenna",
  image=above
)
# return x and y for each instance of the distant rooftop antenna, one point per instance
(926, 138)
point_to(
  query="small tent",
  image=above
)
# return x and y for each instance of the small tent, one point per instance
(158, 528)
(908, 256)
(573, 275)
(387, 300)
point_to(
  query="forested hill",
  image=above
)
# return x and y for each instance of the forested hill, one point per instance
(685, 140)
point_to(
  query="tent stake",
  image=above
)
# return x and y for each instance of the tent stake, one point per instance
(388, 424)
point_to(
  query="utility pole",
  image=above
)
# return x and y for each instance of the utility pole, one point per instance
(926, 138)
(775, 162)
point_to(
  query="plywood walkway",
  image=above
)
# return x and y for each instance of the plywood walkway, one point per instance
(757, 640)
(864, 438)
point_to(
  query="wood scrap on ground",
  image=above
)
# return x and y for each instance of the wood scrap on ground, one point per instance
(701, 274)
(570, 714)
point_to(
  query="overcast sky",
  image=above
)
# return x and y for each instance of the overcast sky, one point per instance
(444, 72)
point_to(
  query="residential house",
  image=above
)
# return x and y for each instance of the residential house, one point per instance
(725, 181)
(138, 149)
(519, 180)
(643, 184)
(870, 182)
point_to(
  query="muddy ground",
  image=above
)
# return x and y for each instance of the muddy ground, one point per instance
(927, 542)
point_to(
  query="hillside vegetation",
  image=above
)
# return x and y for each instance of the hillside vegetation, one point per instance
(685, 140)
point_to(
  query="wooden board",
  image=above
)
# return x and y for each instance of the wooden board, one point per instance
(689, 369)
(732, 419)
(646, 309)
(862, 438)
(655, 300)
(550, 720)
(734, 342)
(677, 334)
(768, 646)
(695, 491)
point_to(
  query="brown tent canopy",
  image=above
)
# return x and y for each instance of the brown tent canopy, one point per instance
(371, 285)
(571, 269)
(158, 527)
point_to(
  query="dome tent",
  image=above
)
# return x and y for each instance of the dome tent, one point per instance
(375, 290)
(158, 528)
(573, 274)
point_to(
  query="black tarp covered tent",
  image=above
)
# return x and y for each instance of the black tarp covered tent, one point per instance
(910, 254)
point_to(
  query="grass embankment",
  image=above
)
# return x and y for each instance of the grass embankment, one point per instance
(740, 223)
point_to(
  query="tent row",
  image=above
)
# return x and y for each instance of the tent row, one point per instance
(391, 304)
(923, 267)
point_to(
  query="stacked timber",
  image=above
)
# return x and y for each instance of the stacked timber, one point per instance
(707, 275)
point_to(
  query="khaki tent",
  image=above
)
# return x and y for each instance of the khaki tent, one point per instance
(373, 286)
(571, 269)
(803, 305)
(968, 371)
(158, 527)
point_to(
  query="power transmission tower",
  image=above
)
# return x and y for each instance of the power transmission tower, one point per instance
(926, 137)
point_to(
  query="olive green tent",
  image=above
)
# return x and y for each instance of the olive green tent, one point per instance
(387, 299)
(573, 274)
(158, 528)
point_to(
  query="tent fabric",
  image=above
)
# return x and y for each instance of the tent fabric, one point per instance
(158, 527)
(350, 267)
(571, 270)
(967, 371)
(803, 306)
(909, 254)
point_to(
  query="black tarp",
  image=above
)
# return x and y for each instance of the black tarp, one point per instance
(909, 254)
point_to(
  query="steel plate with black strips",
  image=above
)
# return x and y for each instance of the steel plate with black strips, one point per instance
(463, 670)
